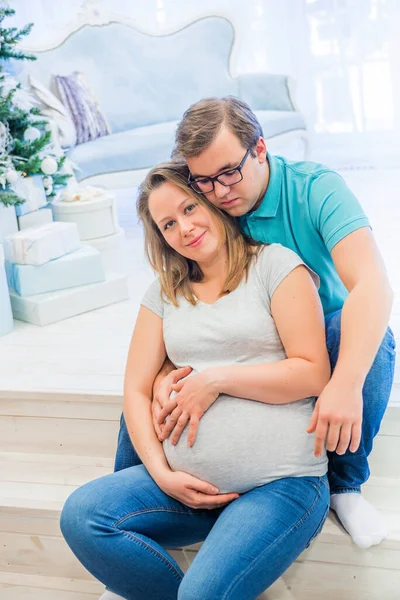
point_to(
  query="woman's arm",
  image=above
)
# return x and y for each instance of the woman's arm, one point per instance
(145, 358)
(297, 311)
(146, 355)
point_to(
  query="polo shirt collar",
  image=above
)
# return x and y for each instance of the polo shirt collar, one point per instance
(270, 202)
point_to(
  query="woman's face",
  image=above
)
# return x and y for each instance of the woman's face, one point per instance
(187, 226)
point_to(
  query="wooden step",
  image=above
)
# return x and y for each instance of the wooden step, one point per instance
(33, 491)
(35, 562)
(324, 581)
(88, 424)
(19, 586)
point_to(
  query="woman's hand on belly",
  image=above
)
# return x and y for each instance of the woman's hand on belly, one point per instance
(193, 492)
(195, 395)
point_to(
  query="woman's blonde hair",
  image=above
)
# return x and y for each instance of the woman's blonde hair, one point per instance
(176, 272)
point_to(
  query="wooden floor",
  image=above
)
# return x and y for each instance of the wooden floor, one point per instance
(87, 353)
(50, 444)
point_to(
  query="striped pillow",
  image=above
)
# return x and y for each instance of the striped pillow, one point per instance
(83, 107)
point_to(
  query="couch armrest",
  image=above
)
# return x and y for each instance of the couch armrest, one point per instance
(264, 91)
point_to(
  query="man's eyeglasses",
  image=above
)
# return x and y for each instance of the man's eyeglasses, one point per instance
(205, 185)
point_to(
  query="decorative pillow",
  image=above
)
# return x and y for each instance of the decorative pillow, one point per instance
(83, 107)
(56, 111)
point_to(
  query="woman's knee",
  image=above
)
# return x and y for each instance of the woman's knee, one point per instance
(202, 585)
(79, 514)
(191, 590)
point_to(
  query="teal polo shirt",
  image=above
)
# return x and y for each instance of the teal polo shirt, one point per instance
(308, 208)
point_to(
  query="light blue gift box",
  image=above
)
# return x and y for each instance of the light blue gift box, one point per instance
(6, 317)
(77, 268)
(34, 194)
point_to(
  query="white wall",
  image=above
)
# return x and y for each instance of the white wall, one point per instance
(344, 54)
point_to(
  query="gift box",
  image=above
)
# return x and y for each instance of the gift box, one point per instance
(94, 213)
(32, 190)
(38, 245)
(44, 309)
(113, 250)
(8, 221)
(77, 268)
(6, 317)
(36, 218)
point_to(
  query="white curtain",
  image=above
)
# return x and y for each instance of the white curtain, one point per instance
(344, 55)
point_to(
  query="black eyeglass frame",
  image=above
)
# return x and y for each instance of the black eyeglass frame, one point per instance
(192, 180)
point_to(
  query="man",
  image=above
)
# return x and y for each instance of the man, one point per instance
(308, 208)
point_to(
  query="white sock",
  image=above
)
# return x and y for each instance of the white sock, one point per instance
(110, 596)
(361, 520)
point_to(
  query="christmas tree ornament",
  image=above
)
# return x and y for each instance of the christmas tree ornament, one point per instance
(31, 134)
(49, 165)
(11, 176)
(48, 185)
(4, 139)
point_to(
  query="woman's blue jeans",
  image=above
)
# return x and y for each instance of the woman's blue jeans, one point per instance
(119, 527)
(346, 472)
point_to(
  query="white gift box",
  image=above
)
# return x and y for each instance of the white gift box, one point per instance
(32, 189)
(44, 309)
(8, 221)
(35, 219)
(113, 249)
(38, 245)
(77, 268)
(6, 317)
(95, 216)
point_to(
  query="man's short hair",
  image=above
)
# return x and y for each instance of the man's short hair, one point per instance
(203, 120)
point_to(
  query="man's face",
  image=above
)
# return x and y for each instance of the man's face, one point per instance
(224, 153)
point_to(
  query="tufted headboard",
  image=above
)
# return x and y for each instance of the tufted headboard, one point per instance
(140, 79)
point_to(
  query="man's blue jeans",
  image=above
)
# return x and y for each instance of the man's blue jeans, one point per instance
(119, 526)
(347, 472)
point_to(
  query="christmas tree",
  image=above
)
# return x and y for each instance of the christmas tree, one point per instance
(26, 146)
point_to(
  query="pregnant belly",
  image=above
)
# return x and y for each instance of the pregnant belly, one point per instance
(242, 444)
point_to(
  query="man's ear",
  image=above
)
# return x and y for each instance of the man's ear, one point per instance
(261, 150)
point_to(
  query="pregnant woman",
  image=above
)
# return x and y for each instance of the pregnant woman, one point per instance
(242, 477)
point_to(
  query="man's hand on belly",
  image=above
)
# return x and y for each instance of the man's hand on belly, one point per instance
(194, 396)
(161, 395)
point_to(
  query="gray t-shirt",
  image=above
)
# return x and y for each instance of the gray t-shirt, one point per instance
(241, 443)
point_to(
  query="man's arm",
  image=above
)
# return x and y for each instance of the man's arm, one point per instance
(366, 311)
(167, 376)
(365, 316)
(161, 375)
